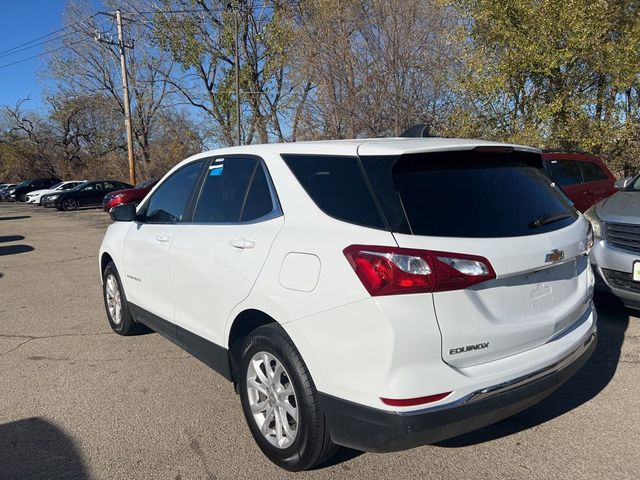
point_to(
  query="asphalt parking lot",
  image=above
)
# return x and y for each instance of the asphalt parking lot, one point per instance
(77, 401)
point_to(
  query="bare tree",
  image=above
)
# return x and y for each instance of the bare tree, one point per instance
(376, 67)
(89, 64)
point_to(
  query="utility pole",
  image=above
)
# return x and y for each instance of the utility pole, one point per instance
(237, 66)
(127, 105)
(125, 85)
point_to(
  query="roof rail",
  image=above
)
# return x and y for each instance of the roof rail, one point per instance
(565, 150)
(420, 130)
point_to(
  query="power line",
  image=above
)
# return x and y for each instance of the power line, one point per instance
(199, 10)
(39, 55)
(4, 52)
(20, 46)
(13, 52)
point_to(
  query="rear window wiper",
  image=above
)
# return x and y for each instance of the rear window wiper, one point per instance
(548, 218)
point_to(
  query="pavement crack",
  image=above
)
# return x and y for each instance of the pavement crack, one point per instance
(16, 347)
(29, 338)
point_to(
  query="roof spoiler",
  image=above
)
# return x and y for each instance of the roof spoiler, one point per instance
(420, 130)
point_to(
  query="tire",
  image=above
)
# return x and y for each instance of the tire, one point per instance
(121, 322)
(306, 442)
(23, 198)
(69, 204)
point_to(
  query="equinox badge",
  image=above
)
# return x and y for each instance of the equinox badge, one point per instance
(469, 348)
(554, 256)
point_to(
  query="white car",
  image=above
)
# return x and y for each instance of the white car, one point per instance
(377, 294)
(36, 196)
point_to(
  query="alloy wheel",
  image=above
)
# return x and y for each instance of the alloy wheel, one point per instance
(272, 399)
(69, 204)
(114, 299)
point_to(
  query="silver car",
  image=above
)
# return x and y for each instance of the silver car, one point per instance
(616, 251)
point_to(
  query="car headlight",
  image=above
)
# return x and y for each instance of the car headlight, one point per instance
(52, 197)
(596, 223)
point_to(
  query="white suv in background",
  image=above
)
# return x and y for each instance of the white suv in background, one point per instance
(378, 294)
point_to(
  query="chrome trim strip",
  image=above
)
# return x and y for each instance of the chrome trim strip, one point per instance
(519, 382)
(511, 384)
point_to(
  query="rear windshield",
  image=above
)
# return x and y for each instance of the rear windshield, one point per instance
(478, 196)
(450, 194)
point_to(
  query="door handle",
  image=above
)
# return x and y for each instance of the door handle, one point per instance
(242, 243)
(162, 238)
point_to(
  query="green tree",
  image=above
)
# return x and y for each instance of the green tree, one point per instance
(552, 74)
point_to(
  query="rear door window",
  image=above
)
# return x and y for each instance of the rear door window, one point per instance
(565, 172)
(592, 172)
(259, 202)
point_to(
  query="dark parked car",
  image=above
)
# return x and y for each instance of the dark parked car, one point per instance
(84, 195)
(584, 178)
(131, 195)
(30, 185)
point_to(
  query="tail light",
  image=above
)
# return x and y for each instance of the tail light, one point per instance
(394, 270)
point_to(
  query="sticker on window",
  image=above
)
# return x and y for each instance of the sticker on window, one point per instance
(215, 170)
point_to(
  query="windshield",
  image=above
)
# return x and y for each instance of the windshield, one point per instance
(55, 187)
(634, 186)
(146, 183)
(24, 183)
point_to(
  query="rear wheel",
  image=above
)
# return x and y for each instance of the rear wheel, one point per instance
(23, 198)
(115, 303)
(69, 204)
(280, 401)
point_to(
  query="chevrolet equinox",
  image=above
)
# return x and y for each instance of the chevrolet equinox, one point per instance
(377, 294)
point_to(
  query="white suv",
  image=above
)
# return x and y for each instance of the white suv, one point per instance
(378, 294)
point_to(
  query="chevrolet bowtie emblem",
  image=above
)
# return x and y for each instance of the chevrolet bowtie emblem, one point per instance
(554, 256)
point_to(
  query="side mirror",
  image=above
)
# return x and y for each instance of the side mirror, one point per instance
(123, 213)
(622, 183)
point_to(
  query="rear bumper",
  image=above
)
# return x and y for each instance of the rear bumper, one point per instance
(373, 430)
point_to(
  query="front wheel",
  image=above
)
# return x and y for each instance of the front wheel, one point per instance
(280, 401)
(69, 204)
(23, 198)
(115, 303)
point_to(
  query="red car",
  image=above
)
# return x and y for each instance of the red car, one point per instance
(130, 195)
(584, 178)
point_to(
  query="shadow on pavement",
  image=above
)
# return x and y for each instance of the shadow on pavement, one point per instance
(19, 217)
(582, 387)
(11, 238)
(15, 249)
(35, 449)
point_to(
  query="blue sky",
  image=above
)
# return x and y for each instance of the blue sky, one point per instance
(22, 21)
